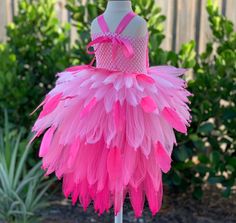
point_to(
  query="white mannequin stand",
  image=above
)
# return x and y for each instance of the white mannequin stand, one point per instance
(119, 217)
(113, 14)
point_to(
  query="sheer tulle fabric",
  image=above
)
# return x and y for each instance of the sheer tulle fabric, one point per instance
(109, 133)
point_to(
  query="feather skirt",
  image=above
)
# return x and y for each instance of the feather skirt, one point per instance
(109, 134)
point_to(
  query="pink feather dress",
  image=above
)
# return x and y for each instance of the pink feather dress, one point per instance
(108, 130)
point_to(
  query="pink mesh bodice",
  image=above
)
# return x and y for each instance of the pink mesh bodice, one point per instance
(118, 52)
(135, 64)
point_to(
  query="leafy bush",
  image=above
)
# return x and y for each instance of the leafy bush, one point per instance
(209, 153)
(82, 16)
(37, 48)
(22, 190)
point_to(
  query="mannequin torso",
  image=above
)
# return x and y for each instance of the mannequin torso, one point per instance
(113, 14)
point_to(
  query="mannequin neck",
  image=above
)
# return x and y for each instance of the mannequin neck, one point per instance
(119, 6)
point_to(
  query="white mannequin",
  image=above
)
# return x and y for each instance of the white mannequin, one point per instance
(113, 14)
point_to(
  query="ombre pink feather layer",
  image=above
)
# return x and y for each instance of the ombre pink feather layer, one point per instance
(109, 134)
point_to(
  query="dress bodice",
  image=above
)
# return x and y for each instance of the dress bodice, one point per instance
(115, 51)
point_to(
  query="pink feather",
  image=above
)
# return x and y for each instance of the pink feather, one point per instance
(41, 104)
(88, 107)
(145, 78)
(148, 104)
(162, 158)
(114, 163)
(50, 105)
(47, 138)
(137, 199)
(154, 195)
(77, 68)
(173, 118)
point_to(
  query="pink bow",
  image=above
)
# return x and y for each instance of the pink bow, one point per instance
(116, 41)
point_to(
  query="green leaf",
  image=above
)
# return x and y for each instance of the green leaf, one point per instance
(176, 179)
(215, 157)
(182, 153)
(206, 128)
(197, 193)
(226, 192)
(216, 179)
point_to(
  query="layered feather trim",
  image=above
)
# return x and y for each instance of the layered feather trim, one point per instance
(110, 133)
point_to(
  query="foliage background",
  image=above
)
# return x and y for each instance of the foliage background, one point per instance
(38, 47)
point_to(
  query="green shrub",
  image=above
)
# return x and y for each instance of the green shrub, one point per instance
(22, 190)
(209, 153)
(37, 48)
(82, 16)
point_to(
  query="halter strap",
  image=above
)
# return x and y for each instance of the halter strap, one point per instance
(102, 23)
(122, 25)
(124, 22)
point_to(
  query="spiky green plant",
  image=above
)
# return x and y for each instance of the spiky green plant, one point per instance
(22, 190)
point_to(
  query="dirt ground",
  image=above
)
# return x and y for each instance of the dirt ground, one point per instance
(177, 208)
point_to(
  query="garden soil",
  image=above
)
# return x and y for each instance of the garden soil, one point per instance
(176, 208)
